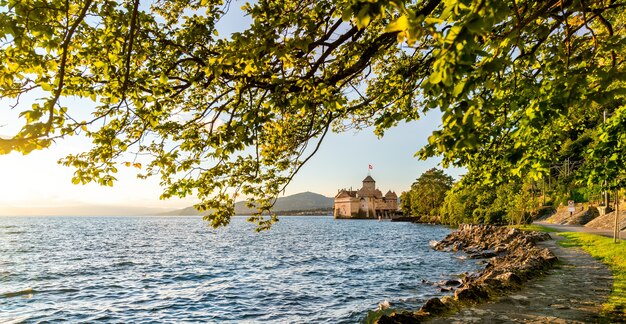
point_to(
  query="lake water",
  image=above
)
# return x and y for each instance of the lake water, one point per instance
(176, 269)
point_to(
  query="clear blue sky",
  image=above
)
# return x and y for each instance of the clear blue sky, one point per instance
(35, 182)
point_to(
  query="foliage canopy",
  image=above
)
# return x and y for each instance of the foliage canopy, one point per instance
(427, 194)
(222, 117)
(512, 202)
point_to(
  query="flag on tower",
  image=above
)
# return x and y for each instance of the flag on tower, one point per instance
(371, 167)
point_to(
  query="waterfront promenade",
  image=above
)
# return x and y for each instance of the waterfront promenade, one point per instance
(572, 292)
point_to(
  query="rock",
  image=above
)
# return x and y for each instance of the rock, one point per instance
(469, 276)
(482, 255)
(471, 293)
(401, 318)
(513, 231)
(453, 282)
(448, 300)
(509, 279)
(548, 256)
(500, 248)
(448, 283)
(434, 306)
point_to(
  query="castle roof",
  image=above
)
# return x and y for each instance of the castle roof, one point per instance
(391, 195)
(346, 193)
(369, 179)
(365, 192)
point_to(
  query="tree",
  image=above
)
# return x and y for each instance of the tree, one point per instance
(461, 203)
(428, 192)
(240, 115)
(405, 202)
(511, 202)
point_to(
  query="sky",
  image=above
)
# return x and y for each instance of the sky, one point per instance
(35, 184)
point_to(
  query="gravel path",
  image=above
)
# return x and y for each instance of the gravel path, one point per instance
(572, 292)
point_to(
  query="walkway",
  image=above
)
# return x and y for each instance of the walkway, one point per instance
(572, 292)
(579, 228)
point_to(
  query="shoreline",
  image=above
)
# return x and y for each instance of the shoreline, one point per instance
(575, 290)
(512, 257)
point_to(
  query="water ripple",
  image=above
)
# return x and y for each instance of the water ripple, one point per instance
(175, 269)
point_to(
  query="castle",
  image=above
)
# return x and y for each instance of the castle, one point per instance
(367, 202)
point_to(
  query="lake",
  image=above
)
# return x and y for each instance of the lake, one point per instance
(177, 269)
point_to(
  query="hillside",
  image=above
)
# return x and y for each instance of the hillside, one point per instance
(608, 221)
(581, 216)
(300, 203)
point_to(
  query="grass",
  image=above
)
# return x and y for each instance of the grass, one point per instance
(611, 254)
(533, 227)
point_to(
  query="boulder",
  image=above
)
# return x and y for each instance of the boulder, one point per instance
(471, 294)
(509, 279)
(402, 318)
(453, 282)
(433, 306)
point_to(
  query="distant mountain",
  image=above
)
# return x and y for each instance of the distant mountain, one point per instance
(187, 211)
(300, 202)
(304, 203)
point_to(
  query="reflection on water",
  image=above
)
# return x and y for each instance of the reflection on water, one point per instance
(143, 269)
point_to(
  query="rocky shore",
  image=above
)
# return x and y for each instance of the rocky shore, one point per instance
(512, 257)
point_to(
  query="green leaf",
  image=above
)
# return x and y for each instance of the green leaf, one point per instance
(400, 24)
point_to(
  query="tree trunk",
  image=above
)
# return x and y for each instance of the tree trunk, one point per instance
(616, 229)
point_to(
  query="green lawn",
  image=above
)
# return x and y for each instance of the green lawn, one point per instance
(611, 254)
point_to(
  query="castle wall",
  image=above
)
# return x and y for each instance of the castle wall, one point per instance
(380, 204)
(363, 207)
(346, 207)
(371, 206)
(354, 211)
(386, 204)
